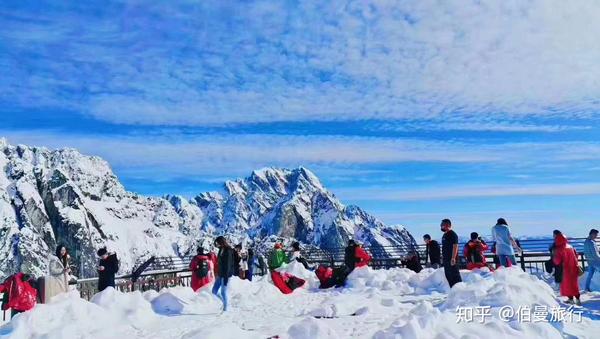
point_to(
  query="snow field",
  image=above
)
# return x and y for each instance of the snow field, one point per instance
(395, 303)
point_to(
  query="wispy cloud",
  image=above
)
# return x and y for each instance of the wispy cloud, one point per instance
(468, 191)
(175, 155)
(263, 61)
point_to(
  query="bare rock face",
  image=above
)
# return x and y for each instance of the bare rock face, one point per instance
(51, 197)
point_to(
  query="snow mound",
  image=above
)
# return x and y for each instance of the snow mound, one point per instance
(310, 328)
(130, 306)
(395, 303)
(183, 300)
(69, 316)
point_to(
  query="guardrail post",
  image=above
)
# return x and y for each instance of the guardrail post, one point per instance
(522, 259)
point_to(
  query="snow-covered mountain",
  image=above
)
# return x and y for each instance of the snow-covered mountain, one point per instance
(49, 197)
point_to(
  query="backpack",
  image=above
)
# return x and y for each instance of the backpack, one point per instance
(203, 268)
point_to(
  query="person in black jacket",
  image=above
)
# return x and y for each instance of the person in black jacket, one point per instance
(413, 262)
(555, 270)
(350, 256)
(432, 251)
(107, 268)
(450, 253)
(225, 260)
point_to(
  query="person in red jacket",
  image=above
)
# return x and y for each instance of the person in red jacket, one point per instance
(362, 257)
(566, 256)
(474, 252)
(21, 295)
(202, 270)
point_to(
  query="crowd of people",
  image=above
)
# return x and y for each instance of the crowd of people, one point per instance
(219, 267)
(563, 263)
(22, 291)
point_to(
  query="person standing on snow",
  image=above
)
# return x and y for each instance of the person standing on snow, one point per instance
(350, 256)
(237, 260)
(58, 279)
(107, 268)
(450, 253)
(355, 256)
(474, 252)
(551, 267)
(202, 269)
(243, 264)
(296, 255)
(566, 256)
(225, 260)
(505, 244)
(432, 252)
(591, 254)
(251, 260)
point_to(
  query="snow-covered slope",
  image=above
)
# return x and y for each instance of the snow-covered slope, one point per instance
(49, 197)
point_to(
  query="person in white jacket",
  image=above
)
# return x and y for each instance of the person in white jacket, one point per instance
(57, 280)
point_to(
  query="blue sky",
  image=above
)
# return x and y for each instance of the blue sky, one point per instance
(414, 110)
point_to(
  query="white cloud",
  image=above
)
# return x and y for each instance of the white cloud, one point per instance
(218, 63)
(171, 155)
(444, 192)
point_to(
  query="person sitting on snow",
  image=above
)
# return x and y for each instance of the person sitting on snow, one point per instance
(285, 282)
(474, 252)
(413, 262)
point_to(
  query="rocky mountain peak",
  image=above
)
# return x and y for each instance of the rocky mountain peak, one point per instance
(49, 197)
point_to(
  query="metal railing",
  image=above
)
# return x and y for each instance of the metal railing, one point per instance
(173, 271)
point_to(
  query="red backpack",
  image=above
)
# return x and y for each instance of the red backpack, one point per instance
(21, 295)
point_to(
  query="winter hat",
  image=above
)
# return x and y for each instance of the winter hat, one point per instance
(102, 251)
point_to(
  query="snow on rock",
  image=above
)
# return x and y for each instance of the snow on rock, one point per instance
(51, 197)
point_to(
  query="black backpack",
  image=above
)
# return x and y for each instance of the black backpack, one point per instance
(203, 268)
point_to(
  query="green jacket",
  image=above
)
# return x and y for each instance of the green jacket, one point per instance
(277, 259)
